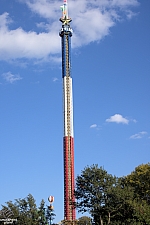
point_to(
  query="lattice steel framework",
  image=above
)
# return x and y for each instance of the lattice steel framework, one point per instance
(68, 140)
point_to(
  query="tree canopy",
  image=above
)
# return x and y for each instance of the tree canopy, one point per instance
(25, 212)
(84, 220)
(112, 200)
(139, 179)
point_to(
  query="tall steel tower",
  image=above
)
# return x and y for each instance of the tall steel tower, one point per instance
(68, 140)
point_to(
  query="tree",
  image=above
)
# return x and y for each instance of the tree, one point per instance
(93, 189)
(27, 213)
(84, 220)
(139, 179)
(24, 210)
(112, 200)
(50, 215)
(41, 213)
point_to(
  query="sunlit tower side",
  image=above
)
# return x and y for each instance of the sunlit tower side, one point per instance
(68, 140)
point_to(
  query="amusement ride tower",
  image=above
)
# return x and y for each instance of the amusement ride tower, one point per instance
(68, 140)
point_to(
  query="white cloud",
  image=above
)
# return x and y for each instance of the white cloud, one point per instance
(17, 43)
(4, 21)
(45, 8)
(55, 79)
(11, 78)
(130, 14)
(143, 132)
(93, 126)
(92, 21)
(134, 121)
(138, 135)
(117, 118)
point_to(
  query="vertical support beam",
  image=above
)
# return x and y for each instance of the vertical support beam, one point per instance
(68, 140)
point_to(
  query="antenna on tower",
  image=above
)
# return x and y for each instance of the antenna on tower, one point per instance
(64, 8)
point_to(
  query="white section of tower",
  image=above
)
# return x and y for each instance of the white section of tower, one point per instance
(68, 107)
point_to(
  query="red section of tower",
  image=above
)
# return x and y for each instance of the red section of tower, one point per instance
(68, 140)
(69, 211)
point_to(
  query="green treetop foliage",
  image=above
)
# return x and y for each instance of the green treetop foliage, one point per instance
(110, 200)
(26, 212)
(50, 215)
(84, 220)
(92, 192)
(139, 179)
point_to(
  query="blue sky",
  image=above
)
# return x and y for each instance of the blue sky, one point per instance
(111, 88)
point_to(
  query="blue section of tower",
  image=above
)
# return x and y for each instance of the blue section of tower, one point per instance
(66, 33)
